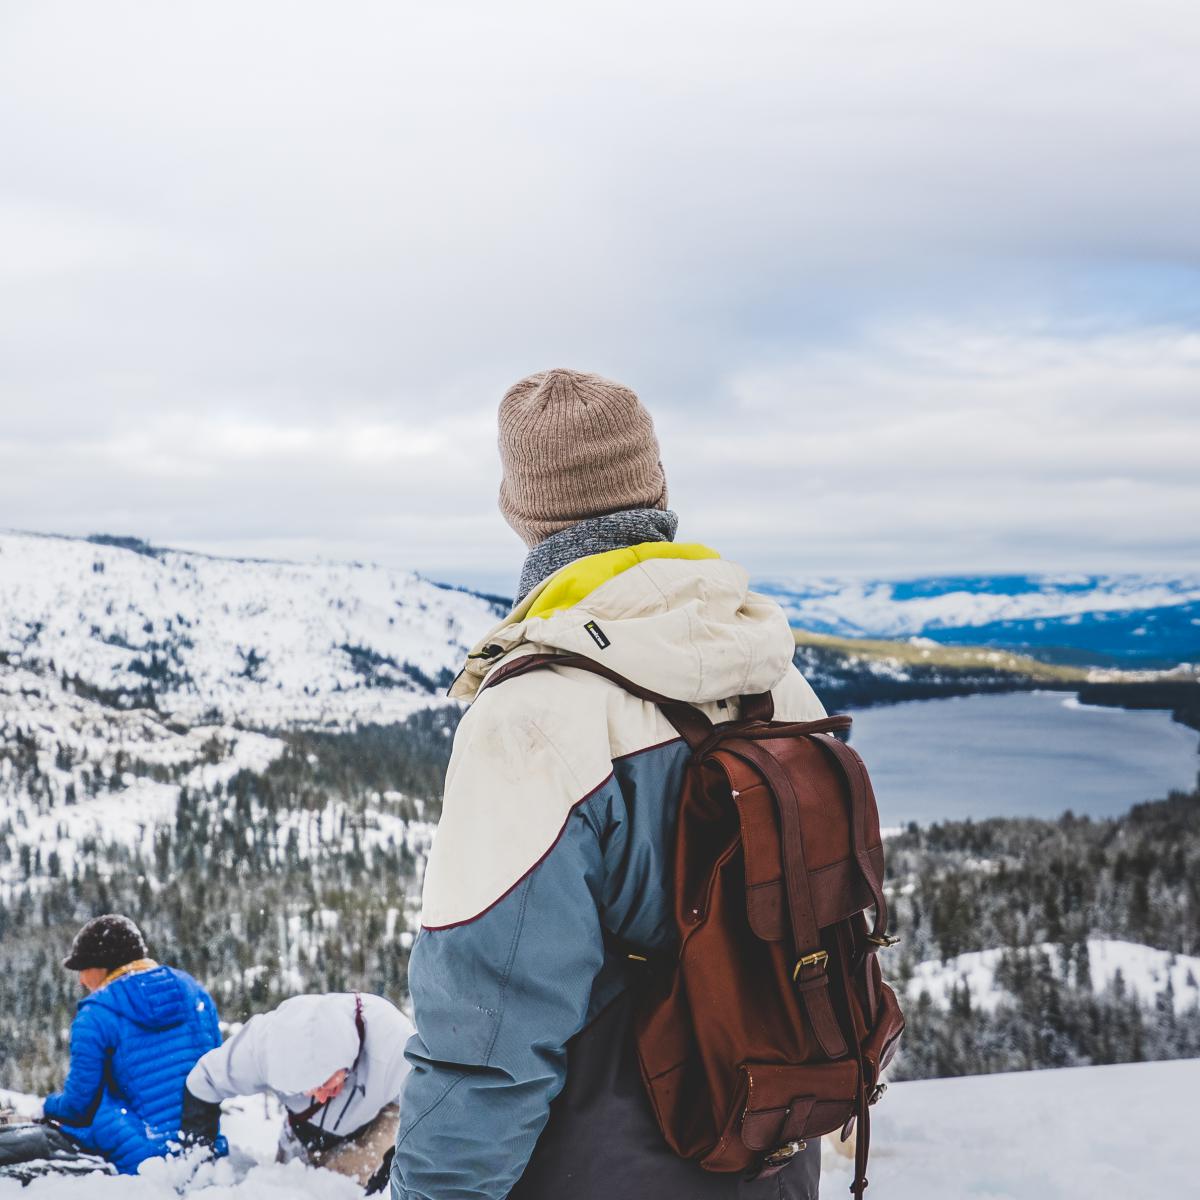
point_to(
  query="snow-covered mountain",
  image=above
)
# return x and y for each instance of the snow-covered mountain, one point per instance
(265, 643)
(1121, 617)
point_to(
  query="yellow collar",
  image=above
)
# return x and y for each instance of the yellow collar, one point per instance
(140, 964)
(568, 586)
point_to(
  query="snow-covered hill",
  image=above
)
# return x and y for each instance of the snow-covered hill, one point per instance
(73, 769)
(129, 673)
(1123, 617)
(1144, 972)
(1123, 1131)
(266, 643)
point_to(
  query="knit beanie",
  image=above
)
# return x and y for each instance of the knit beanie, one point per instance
(110, 941)
(574, 446)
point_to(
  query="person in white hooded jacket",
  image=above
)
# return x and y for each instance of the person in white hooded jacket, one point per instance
(337, 1064)
(556, 841)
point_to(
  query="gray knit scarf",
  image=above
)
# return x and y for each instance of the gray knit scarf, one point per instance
(594, 536)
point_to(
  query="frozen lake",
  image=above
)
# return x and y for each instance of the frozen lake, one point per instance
(1019, 754)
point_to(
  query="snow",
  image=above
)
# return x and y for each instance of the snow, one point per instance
(1123, 1131)
(76, 740)
(235, 651)
(1144, 971)
(871, 607)
(267, 643)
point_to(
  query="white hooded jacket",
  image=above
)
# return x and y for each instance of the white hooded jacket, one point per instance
(557, 830)
(299, 1045)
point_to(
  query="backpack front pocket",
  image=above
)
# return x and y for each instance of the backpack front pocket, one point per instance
(778, 1107)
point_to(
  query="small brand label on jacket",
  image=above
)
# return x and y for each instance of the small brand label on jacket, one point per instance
(597, 635)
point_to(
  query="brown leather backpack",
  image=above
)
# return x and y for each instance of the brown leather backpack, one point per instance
(771, 1025)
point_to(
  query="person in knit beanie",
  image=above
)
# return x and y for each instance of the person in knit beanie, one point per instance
(553, 864)
(574, 446)
(582, 470)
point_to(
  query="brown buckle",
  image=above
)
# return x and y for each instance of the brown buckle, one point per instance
(876, 1092)
(784, 1153)
(884, 942)
(818, 958)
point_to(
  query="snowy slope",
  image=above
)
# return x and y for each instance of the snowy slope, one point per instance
(1124, 616)
(73, 769)
(1145, 973)
(127, 674)
(268, 643)
(1124, 1131)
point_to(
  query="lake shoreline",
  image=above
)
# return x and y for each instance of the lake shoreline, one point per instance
(1182, 700)
(1034, 752)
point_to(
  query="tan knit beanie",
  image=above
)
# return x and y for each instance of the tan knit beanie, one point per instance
(574, 446)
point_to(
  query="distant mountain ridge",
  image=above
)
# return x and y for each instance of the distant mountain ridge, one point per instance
(264, 642)
(274, 643)
(1150, 620)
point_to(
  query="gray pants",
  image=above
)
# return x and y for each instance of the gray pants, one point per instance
(602, 1142)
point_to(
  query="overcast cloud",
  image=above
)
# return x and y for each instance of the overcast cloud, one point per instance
(908, 288)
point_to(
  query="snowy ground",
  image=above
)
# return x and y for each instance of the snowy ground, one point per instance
(1123, 1132)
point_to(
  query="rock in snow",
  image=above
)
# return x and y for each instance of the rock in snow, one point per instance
(1123, 1131)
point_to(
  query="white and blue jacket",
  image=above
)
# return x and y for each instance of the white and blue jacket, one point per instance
(556, 837)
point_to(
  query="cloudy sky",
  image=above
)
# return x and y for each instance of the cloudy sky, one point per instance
(908, 288)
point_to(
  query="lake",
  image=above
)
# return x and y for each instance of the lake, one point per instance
(1019, 754)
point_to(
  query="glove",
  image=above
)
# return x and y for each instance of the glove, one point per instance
(379, 1181)
(200, 1124)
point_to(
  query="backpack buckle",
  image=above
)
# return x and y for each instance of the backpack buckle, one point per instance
(883, 942)
(818, 958)
(784, 1153)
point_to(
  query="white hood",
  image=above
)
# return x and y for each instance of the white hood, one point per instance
(299, 1045)
(306, 1040)
(690, 629)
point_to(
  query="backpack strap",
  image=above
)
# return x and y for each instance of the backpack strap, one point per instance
(360, 1025)
(811, 972)
(857, 783)
(689, 722)
(862, 1104)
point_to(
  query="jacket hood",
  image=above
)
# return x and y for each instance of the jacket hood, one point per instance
(673, 618)
(306, 1039)
(155, 999)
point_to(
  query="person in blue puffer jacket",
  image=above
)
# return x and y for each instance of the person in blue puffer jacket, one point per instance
(135, 1037)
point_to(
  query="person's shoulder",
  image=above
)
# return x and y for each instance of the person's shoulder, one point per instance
(202, 996)
(552, 716)
(529, 753)
(555, 697)
(187, 981)
(573, 714)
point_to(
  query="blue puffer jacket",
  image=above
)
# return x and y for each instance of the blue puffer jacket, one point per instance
(133, 1043)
